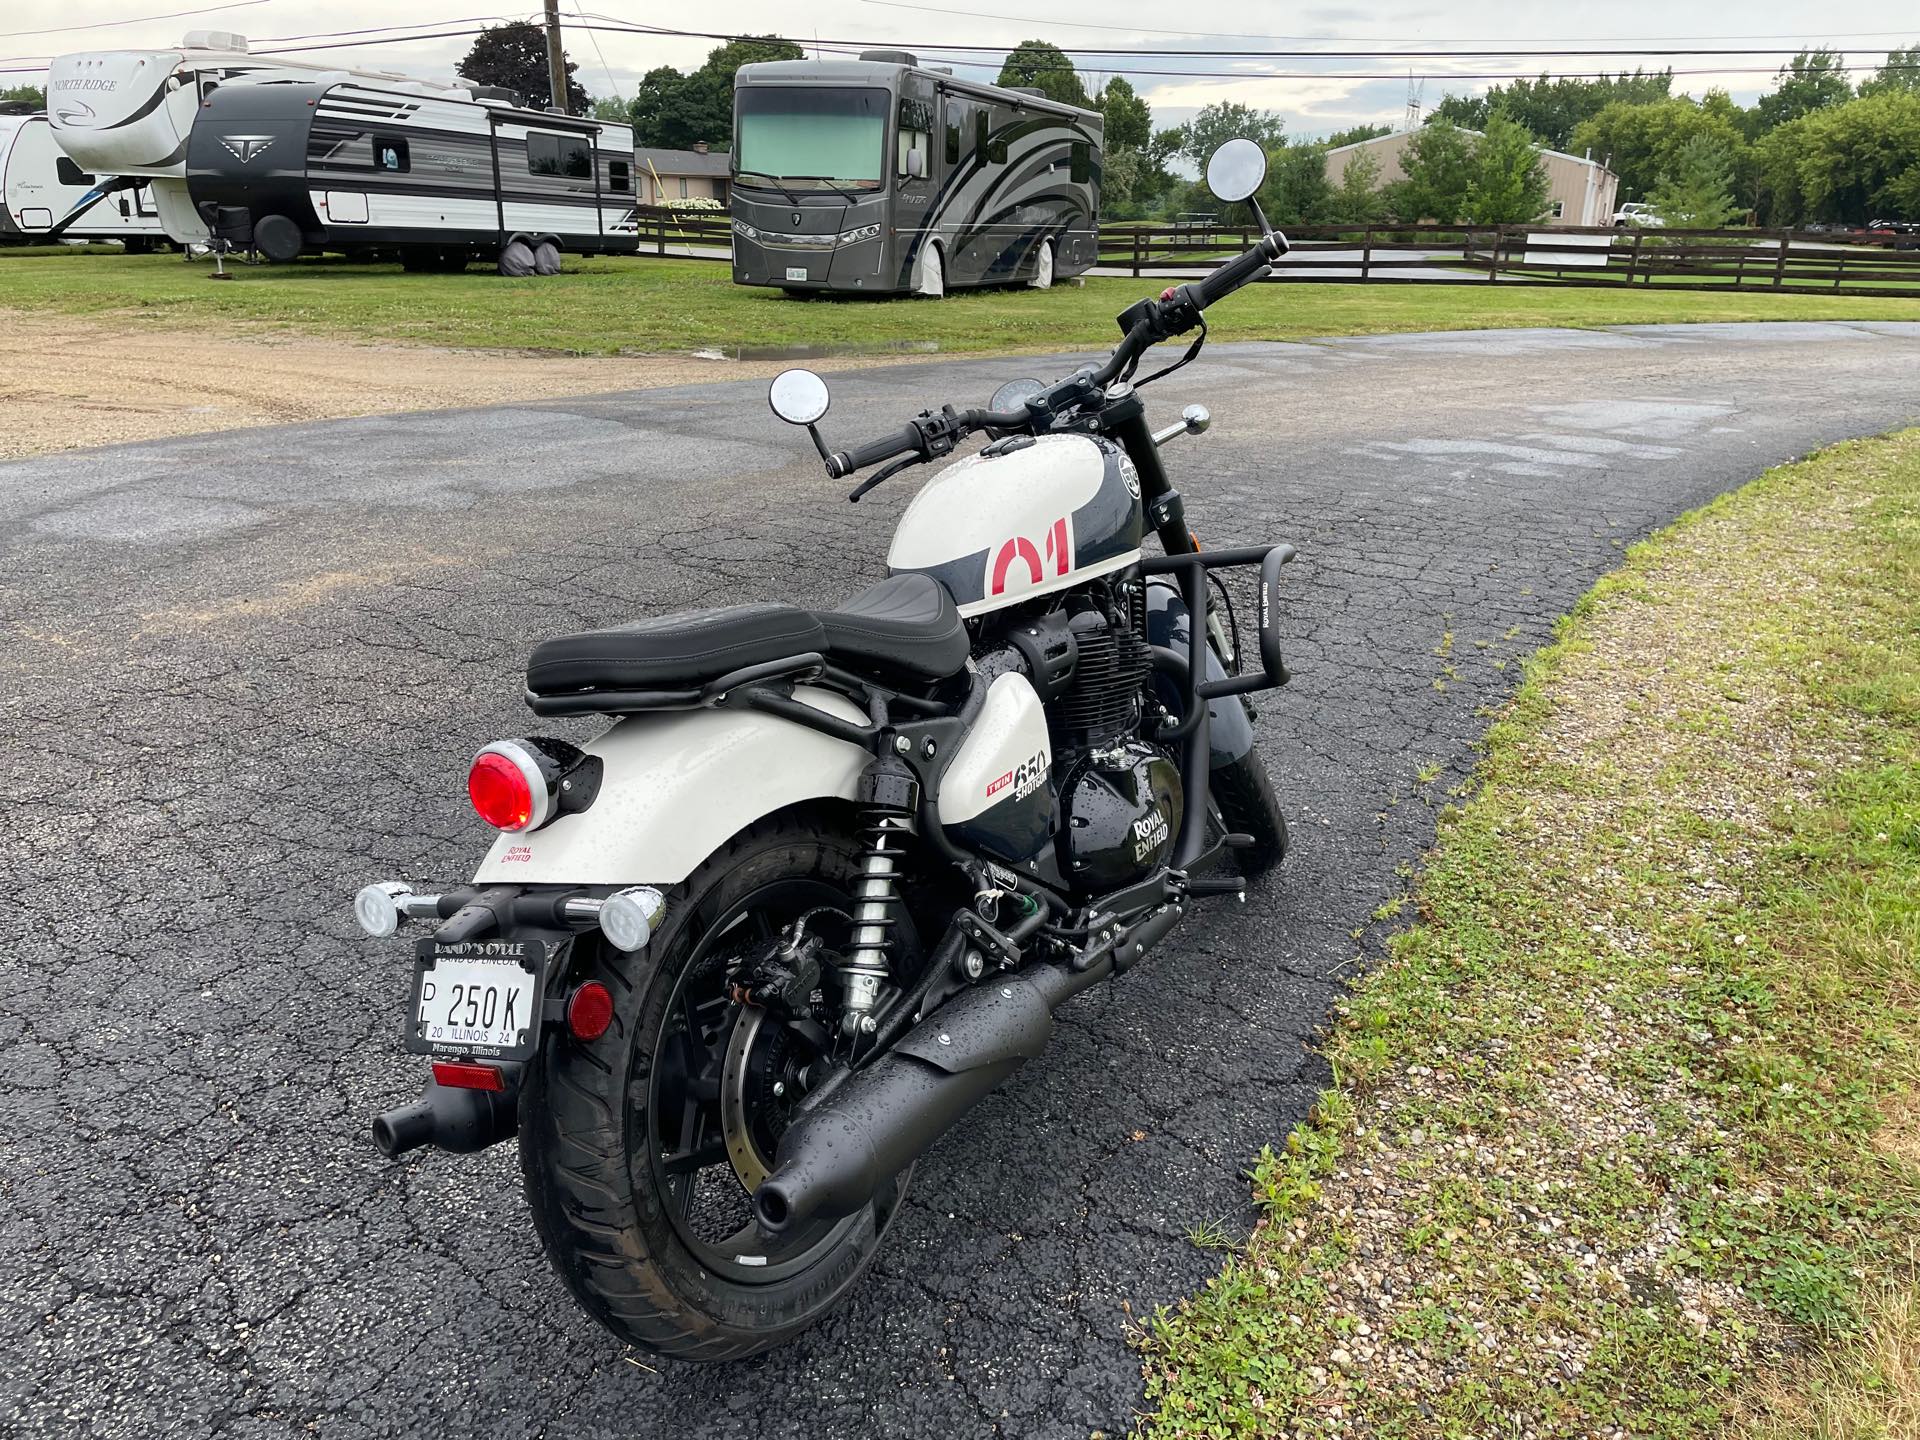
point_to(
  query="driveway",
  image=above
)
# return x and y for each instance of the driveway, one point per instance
(245, 673)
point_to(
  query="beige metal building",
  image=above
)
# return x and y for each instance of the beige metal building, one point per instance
(1579, 191)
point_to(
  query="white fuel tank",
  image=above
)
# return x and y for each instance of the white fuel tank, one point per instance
(1023, 517)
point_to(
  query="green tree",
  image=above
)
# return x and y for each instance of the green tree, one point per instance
(1552, 108)
(613, 108)
(1812, 80)
(1297, 191)
(31, 96)
(1852, 162)
(1353, 135)
(1045, 68)
(1508, 185)
(675, 111)
(1357, 199)
(513, 57)
(1643, 142)
(1438, 165)
(1697, 193)
(1901, 72)
(1129, 121)
(1223, 121)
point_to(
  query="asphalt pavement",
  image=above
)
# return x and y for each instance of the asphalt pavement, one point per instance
(245, 673)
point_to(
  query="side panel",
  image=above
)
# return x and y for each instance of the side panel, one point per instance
(994, 794)
(676, 786)
(37, 195)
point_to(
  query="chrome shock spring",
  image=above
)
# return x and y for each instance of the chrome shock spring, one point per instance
(876, 893)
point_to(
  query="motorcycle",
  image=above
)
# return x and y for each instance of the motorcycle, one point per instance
(731, 968)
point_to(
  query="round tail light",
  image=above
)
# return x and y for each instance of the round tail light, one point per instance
(507, 789)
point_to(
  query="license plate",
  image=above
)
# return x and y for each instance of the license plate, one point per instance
(796, 272)
(480, 998)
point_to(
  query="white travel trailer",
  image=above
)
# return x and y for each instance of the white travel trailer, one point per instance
(129, 112)
(40, 186)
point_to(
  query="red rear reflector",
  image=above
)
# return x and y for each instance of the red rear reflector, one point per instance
(500, 793)
(590, 1011)
(457, 1076)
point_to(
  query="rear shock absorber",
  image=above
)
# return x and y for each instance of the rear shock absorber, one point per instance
(887, 834)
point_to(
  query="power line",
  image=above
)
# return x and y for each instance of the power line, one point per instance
(134, 20)
(1309, 39)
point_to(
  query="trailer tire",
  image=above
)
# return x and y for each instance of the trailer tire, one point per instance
(546, 258)
(1042, 267)
(516, 260)
(930, 278)
(278, 238)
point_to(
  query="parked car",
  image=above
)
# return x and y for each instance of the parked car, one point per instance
(1638, 212)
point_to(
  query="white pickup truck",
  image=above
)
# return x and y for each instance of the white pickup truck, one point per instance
(1637, 212)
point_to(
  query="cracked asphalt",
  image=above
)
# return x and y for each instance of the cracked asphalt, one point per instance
(244, 673)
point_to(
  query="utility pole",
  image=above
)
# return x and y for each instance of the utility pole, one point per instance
(556, 58)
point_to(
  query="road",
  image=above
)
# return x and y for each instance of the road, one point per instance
(245, 674)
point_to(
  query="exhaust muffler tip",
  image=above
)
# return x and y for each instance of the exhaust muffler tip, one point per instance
(773, 1207)
(403, 1129)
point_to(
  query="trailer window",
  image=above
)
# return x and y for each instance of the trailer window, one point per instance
(619, 177)
(953, 141)
(70, 173)
(810, 137)
(1080, 167)
(993, 151)
(567, 155)
(391, 153)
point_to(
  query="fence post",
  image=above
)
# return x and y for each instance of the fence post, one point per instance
(1366, 255)
(1633, 260)
(1780, 260)
(1839, 269)
(1136, 252)
(1493, 261)
(660, 234)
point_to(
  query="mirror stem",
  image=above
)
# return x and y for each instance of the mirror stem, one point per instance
(818, 443)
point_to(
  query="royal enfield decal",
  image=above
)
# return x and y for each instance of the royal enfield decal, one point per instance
(1149, 833)
(245, 147)
(1025, 778)
(1129, 476)
(1058, 559)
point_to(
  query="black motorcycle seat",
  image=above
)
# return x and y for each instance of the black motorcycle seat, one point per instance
(906, 627)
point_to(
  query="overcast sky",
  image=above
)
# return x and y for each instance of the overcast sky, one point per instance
(1313, 103)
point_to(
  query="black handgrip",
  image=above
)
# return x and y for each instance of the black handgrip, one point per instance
(844, 462)
(1229, 277)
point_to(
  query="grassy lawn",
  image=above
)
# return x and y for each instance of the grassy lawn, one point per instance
(1625, 1137)
(607, 306)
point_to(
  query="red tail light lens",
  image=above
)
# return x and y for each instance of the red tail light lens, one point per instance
(590, 1011)
(467, 1077)
(502, 791)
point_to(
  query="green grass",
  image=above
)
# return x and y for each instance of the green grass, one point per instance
(609, 306)
(1637, 1099)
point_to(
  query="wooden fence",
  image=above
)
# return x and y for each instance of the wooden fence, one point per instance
(669, 233)
(1782, 260)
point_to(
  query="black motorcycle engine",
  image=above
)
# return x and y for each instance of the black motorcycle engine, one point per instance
(1120, 800)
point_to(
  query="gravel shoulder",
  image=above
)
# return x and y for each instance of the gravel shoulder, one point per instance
(70, 382)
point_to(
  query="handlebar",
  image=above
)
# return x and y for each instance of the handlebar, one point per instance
(934, 433)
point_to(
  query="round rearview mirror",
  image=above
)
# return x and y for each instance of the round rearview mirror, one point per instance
(1236, 170)
(1014, 395)
(798, 397)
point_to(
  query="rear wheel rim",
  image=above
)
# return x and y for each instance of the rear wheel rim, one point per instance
(676, 1117)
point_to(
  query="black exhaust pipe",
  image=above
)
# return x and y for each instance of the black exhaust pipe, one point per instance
(835, 1157)
(449, 1118)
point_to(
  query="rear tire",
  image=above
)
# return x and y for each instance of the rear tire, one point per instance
(1244, 793)
(546, 258)
(611, 1131)
(932, 280)
(516, 260)
(1043, 268)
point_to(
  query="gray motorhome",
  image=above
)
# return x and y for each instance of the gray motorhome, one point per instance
(882, 176)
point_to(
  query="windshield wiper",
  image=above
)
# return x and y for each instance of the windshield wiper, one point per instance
(831, 184)
(773, 180)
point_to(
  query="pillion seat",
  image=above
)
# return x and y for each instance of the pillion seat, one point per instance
(906, 628)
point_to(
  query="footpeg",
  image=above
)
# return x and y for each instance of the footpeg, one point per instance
(1237, 841)
(1198, 885)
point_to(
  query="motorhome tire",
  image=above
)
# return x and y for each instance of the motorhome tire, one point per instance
(546, 258)
(516, 260)
(1244, 792)
(932, 281)
(1042, 267)
(657, 1243)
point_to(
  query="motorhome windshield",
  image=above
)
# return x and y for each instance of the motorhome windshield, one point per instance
(809, 137)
